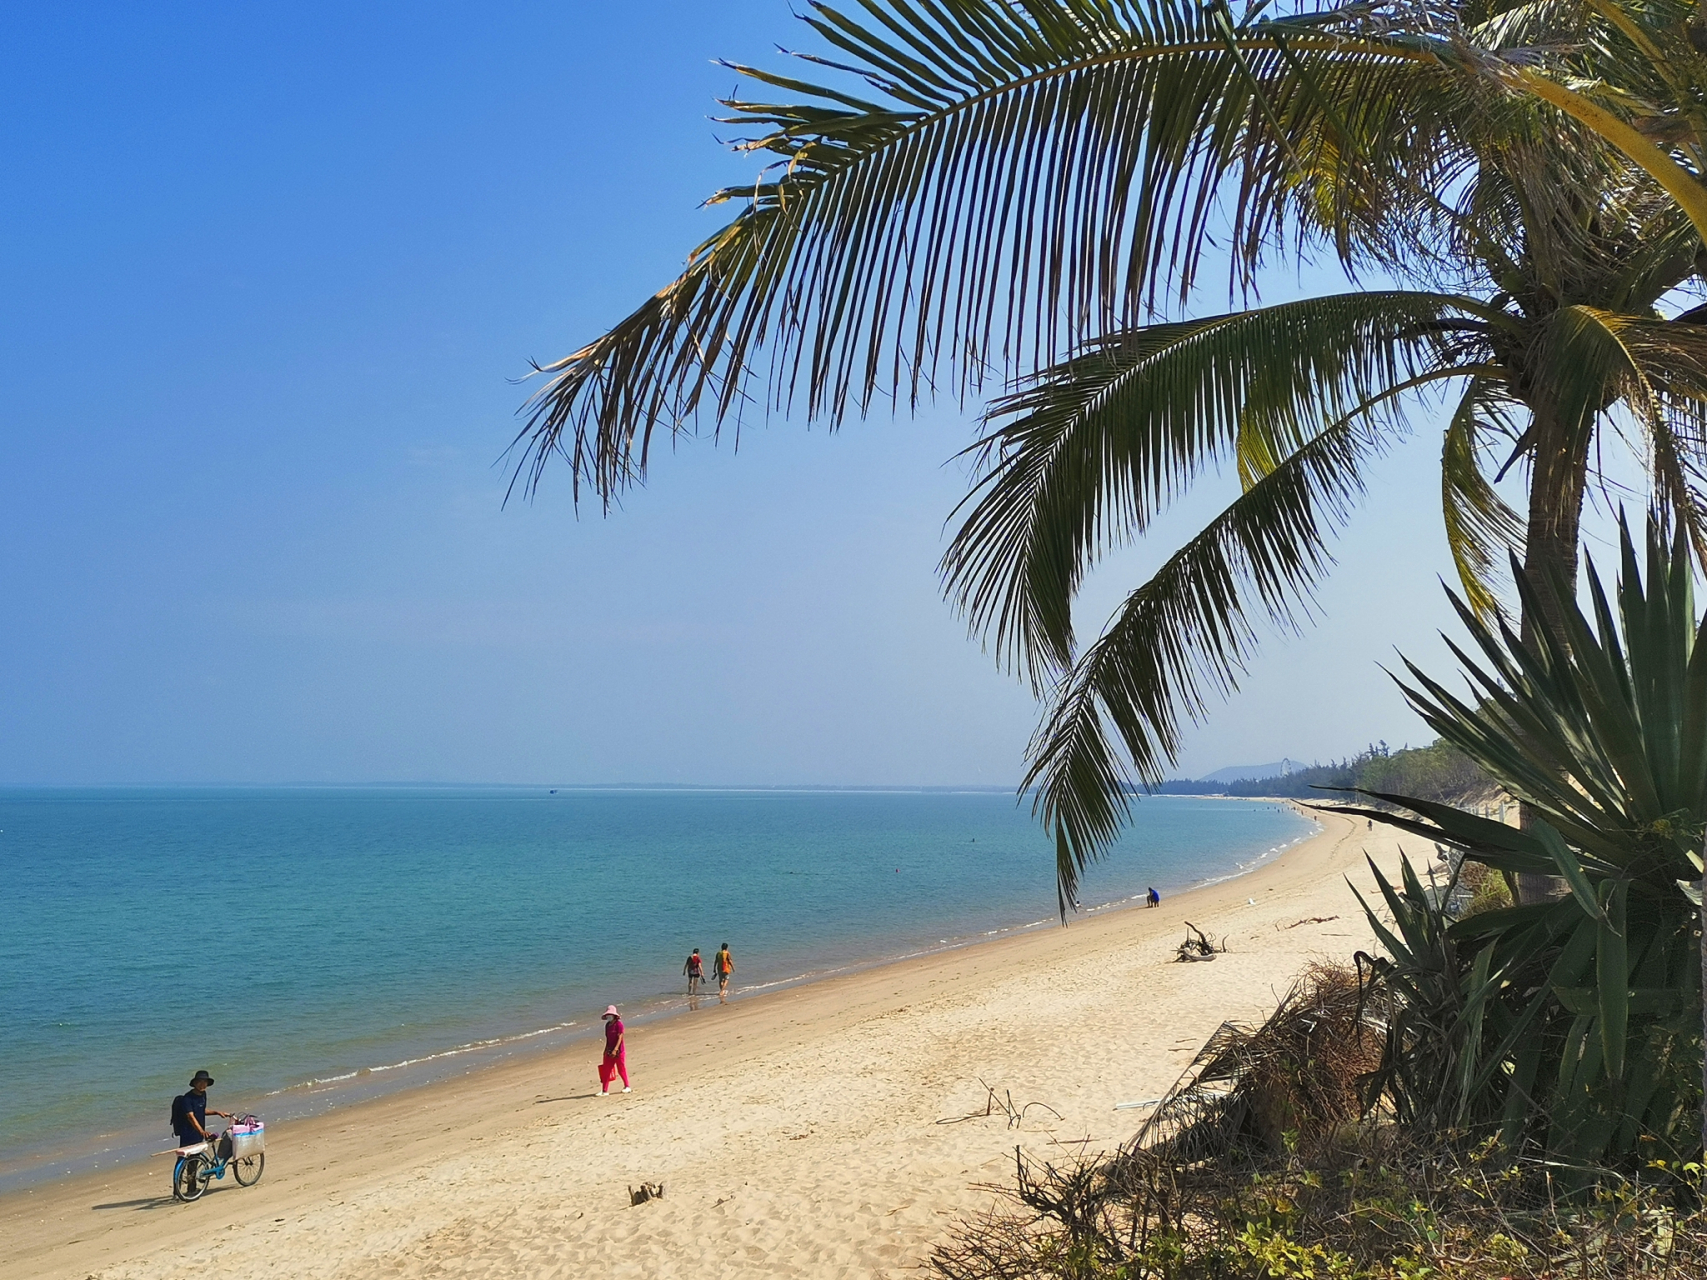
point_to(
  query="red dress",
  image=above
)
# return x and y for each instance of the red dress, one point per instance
(616, 1055)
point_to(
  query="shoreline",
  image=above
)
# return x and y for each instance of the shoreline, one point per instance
(97, 1218)
(321, 1096)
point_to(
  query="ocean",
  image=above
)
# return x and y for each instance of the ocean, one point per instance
(311, 947)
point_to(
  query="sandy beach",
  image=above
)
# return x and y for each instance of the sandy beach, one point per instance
(809, 1132)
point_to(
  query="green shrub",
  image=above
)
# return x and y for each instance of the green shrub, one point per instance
(1572, 1025)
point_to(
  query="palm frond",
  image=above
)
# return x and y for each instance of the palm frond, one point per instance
(1673, 358)
(1013, 179)
(1183, 636)
(1528, 25)
(1092, 449)
(1481, 529)
(1642, 97)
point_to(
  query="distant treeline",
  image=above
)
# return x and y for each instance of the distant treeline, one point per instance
(1440, 772)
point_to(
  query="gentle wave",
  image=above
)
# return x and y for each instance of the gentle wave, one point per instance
(473, 1046)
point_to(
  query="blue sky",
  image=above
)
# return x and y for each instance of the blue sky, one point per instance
(270, 274)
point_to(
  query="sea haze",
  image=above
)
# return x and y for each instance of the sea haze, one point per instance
(311, 946)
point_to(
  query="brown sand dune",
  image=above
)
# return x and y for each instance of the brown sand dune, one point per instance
(796, 1134)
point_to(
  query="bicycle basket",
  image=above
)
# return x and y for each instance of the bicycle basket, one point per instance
(248, 1137)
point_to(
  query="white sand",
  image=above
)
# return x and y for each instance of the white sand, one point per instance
(796, 1134)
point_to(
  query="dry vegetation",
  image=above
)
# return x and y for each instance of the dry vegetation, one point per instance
(1263, 1162)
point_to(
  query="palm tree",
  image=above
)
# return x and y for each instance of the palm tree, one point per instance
(1559, 338)
(985, 186)
(1003, 189)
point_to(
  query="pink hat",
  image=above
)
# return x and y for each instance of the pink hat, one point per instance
(610, 1013)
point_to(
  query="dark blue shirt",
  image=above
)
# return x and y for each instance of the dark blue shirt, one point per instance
(183, 1107)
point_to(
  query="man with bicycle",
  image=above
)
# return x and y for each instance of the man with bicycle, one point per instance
(190, 1112)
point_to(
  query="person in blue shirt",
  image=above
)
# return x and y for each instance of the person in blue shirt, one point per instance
(190, 1112)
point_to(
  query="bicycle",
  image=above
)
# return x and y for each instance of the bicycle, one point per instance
(242, 1152)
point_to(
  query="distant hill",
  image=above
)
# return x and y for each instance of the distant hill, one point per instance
(1239, 772)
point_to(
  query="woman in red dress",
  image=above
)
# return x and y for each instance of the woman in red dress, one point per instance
(616, 1053)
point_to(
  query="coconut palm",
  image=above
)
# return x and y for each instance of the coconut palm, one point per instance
(996, 189)
(1559, 344)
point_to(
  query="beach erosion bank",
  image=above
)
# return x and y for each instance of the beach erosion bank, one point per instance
(816, 1131)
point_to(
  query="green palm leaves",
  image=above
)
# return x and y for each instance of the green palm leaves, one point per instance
(981, 186)
(1299, 396)
(1092, 449)
(1586, 1010)
(1479, 524)
(1633, 73)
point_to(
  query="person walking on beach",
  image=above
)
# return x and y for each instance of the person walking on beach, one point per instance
(616, 1053)
(190, 1112)
(723, 964)
(1153, 898)
(695, 969)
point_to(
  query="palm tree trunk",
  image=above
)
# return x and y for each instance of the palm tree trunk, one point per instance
(1555, 516)
(1550, 551)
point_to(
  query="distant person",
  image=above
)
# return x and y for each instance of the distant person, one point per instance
(695, 969)
(190, 1112)
(1153, 898)
(615, 1061)
(723, 964)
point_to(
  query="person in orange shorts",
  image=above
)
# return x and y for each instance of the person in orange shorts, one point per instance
(723, 964)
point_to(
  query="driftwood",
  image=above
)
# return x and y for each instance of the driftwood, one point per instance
(1197, 945)
(1006, 1106)
(648, 1191)
(1311, 920)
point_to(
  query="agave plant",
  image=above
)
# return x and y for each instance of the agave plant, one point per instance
(1577, 1021)
(1416, 993)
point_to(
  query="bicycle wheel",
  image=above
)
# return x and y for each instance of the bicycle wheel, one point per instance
(187, 1181)
(247, 1169)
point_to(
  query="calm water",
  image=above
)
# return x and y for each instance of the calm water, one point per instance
(311, 946)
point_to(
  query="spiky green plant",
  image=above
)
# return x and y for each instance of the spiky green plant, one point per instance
(1580, 1020)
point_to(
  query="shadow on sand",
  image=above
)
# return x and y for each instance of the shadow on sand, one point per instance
(147, 1202)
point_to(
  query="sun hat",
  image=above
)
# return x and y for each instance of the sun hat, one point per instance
(200, 1077)
(610, 1012)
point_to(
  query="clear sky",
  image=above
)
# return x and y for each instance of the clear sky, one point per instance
(269, 272)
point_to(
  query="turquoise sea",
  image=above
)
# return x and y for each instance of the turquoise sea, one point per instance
(310, 947)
